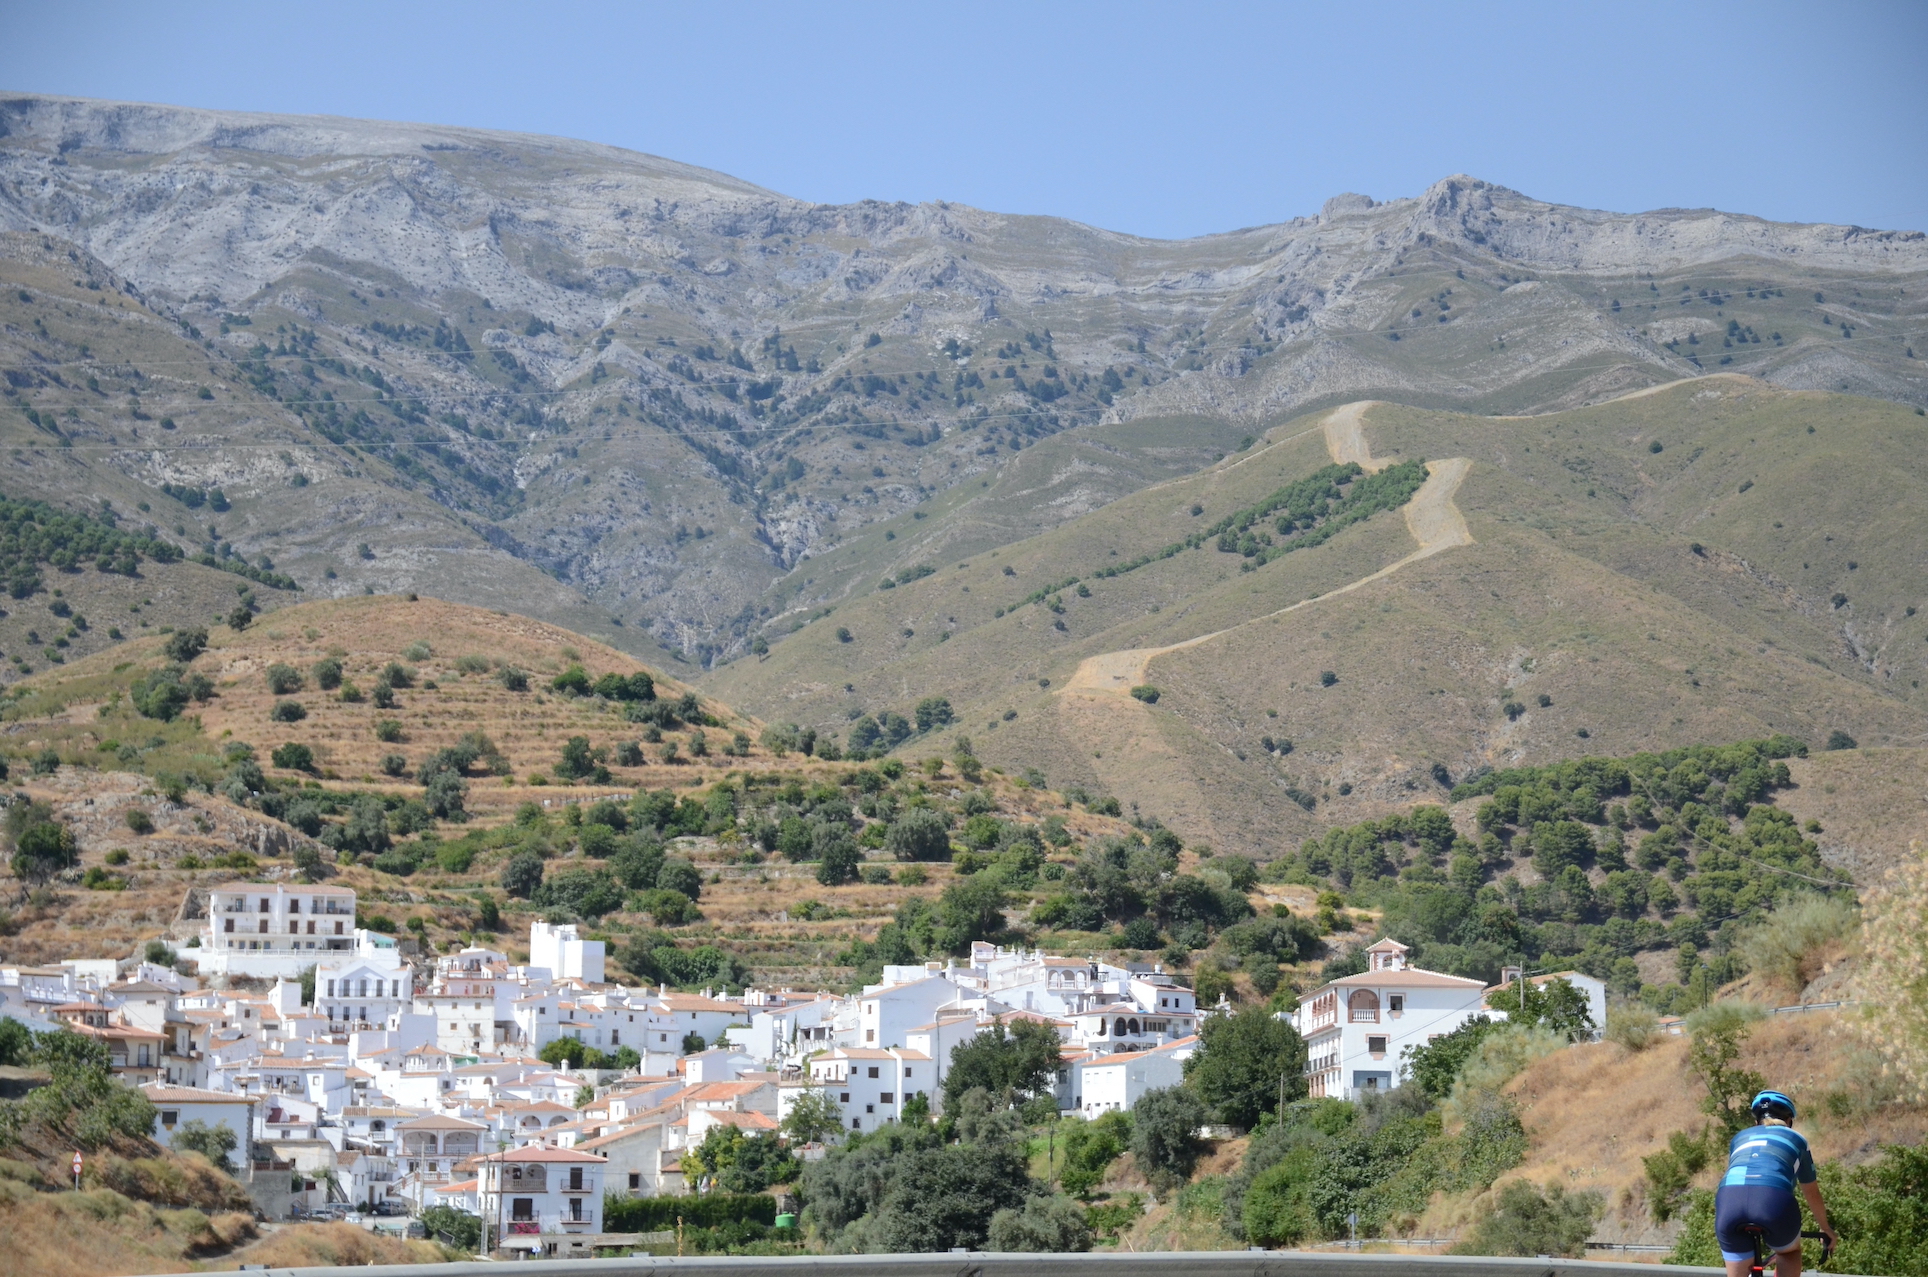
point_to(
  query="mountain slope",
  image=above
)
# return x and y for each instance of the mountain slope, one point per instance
(1750, 577)
(658, 386)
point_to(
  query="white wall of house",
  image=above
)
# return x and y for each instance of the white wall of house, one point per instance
(1115, 1082)
(527, 1193)
(887, 1015)
(174, 1107)
(366, 986)
(1357, 1028)
(869, 1086)
(277, 929)
(563, 954)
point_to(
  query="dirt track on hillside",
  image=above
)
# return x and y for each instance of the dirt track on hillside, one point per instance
(1431, 517)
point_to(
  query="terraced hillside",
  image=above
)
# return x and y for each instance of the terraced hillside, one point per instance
(434, 746)
(1714, 560)
(600, 386)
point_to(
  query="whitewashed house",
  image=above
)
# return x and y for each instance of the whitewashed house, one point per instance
(871, 1086)
(363, 987)
(1356, 1026)
(176, 1106)
(559, 953)
(274, 929)
(1101, 1082)
(544, 1200)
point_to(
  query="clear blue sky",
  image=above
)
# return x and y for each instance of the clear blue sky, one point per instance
(1163, 120)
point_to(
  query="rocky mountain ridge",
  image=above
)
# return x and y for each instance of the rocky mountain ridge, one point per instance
(670, 390)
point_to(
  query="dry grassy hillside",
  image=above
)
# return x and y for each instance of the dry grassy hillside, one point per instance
(1592, 1112)
(1871, 804)
(1749, 577)
(770, 911)
(366, 634)
(163, 595)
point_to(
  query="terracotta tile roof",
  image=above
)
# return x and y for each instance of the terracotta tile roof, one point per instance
(697, 1002)
(752, 1121)
(718, 1090)
(160, 1094)
(1410, 978)
(435, 1122)
(534, 1154)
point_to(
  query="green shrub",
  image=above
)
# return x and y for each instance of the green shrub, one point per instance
(139, 821)
(294, 757)
(288, 712)
(1164, 1140)
(1670, 1171)
(1090, 1148)
(522, 876)
(1045, 1225)
(1500, 1056)
(283, 680)
(1525, 1221)
(1787, 944)
(1146, 693)
(1632, 1024)
(712, 1210)
(211, 1142)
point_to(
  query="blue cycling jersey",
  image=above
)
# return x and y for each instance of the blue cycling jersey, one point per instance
(1772, 1156)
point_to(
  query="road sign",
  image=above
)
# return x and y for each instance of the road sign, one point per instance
(76, 1170)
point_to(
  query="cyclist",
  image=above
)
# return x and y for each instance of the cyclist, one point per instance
(1764, 1163)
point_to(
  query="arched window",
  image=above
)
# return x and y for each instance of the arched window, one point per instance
(1118, 1027)
(1134, 1026)
(1363, 1006)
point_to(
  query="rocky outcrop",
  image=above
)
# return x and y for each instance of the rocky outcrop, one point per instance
(650, 345)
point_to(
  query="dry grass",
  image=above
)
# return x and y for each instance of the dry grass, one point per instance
(1870, 804)
(329, 1245)
(1592, 1112)
(1584, 584)
(100, 1233)
(366, 634)
(748, 907)
(186, 1217)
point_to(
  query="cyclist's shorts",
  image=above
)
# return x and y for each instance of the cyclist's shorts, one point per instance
(1772, 1210)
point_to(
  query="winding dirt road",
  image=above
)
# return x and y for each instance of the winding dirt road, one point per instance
(1431, 517)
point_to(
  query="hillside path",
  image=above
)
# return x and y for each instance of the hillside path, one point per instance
(1431, 517)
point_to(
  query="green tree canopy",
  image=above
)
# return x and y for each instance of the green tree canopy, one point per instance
(1246, 1063)
(42, 846)
(1165, 1135)
(1022, 1060)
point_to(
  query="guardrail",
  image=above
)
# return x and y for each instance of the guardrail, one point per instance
(1276, 1263)
(1817, 1006)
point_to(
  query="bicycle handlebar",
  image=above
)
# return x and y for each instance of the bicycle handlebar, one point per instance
(1827, 1246)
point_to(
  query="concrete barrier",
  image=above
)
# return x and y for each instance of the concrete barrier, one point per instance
(1275, 1263)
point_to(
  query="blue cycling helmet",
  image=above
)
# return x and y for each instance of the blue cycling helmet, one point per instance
(1772, 1104)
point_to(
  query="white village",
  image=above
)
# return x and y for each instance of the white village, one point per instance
(362, 1080)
